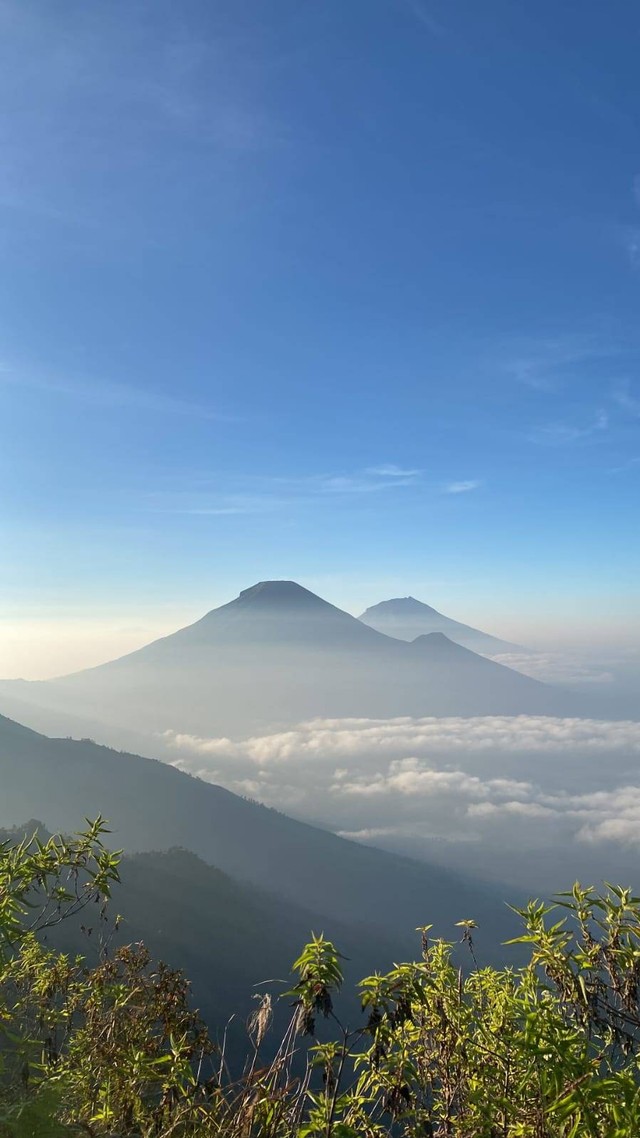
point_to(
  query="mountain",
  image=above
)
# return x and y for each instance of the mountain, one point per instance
(406, 618)
(278, 655)
(227, 935)
(153, 806)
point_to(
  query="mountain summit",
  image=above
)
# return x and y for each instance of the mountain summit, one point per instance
(405, 618)
(270, 613)
(278, 655)
(285, 593)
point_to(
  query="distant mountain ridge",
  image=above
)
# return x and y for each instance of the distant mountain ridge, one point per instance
(154, 806)
(278, 655)
(406, 618)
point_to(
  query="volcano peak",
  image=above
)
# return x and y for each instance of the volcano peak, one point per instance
(279, 592)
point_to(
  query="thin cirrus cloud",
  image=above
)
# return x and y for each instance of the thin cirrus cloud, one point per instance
(352, 482)
(267, 495)
(425, 16)
(632, 242)
(264, 495)
(110, 395)
(390, 470)
(548, 365)
(462, 487)
(565, 434)
(205, 505)
(625, 467)
(363, 484)
(627, 400)
(186, 85)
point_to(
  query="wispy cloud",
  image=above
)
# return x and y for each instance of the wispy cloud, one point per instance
(563, 434)
(367, 481)
(372, 479)
(242, 508)
(624, 467)
(214, 504)
(90, 101)
(390, 470)
(548, 364)
(348, 484)
(626, 399)
(425, 16)
(632, 244)
(262, 495)
(110, 395)
(462, 487)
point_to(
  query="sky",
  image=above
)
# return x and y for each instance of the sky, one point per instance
(345, 292)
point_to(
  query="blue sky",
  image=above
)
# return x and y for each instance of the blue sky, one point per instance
(345, 291)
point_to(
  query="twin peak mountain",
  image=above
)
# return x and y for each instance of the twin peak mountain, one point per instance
(278, 655)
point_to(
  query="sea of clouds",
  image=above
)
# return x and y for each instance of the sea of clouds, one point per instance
(500, 786)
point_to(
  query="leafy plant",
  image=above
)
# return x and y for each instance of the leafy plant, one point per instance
(549, 1049)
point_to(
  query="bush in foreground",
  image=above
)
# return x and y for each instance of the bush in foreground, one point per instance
(546, 1050)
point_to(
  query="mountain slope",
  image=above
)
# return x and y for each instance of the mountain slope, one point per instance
(406, 618)
(154, 806)
(278, 655)
(227, 936)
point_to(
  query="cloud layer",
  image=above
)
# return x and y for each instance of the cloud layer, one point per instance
(540, 782)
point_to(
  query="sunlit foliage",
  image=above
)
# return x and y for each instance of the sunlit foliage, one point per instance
(547, 1049)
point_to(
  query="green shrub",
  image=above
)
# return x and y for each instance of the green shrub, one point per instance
(549, 1049)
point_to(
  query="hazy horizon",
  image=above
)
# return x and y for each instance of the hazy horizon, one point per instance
(42, 645)
(341, 293)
